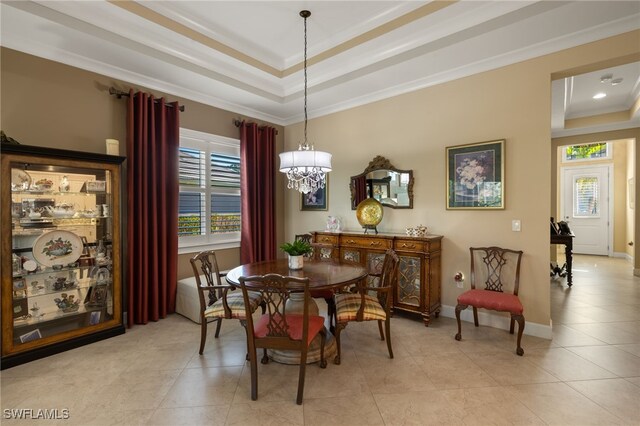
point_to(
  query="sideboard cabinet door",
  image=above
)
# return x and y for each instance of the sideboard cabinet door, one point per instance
(418, 285)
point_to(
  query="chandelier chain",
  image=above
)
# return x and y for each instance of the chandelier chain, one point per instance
(305, 83)
(306, 169)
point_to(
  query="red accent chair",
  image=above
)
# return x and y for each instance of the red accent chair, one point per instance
(499, 270)
(278, 329)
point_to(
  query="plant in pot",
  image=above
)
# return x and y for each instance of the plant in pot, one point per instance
(296, 251)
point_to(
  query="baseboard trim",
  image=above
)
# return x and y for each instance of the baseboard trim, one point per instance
(623, 256)
(496, 320)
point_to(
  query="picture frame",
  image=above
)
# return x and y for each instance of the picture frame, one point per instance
(97, 295)
(94, 186)
(19, 284)
(315, 201)
(475, 176)
(381, 189)
(30, 336)
(94, 317)
(20, 307)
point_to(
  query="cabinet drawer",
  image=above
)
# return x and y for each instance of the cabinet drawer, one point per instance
(327, 239)
(366, 242)
(408, 245)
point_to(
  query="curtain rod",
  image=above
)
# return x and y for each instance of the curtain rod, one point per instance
(119, 94)
(238, 123)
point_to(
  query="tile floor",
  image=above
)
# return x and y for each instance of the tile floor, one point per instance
(588, 374)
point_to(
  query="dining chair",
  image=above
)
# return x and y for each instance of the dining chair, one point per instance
(218, 301)
(321, 252)
(364, 306)
(499, 270)
(278, 329)
(307, 238)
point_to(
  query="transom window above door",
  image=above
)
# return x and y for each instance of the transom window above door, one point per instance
(587, 152)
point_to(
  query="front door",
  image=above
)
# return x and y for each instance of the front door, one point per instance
(585, 205)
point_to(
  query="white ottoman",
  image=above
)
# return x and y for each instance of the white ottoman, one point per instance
(187, 301)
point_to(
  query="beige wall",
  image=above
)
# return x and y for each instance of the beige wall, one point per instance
(619, 196)
(412, 131)
(630, 197)
(49, 104)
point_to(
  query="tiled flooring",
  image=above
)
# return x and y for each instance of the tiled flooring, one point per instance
(588, 374)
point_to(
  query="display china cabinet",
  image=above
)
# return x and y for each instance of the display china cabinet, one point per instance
(61, 250)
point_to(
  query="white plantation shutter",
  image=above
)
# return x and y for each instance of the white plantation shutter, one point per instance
(586, 192)
(191, 201)
(209, 202)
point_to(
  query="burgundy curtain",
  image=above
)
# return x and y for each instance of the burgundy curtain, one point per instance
(360, 183)
(257, 183)
(153, 140)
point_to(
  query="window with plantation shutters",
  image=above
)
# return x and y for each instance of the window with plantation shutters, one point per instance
(587, 197)
(209, 200)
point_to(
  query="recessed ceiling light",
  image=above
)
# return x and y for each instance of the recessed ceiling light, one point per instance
(599, 95)
(616, 81)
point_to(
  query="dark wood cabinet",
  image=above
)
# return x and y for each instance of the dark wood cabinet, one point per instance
(418, 285)
(61, 250)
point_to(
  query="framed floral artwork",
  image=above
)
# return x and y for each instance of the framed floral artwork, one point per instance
(475, 176)
(315, 200)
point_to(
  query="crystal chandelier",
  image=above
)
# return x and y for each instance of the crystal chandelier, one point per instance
(306, 168)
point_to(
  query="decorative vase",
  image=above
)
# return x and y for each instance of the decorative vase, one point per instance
(369, 213)
(334, 224)
(296, 262)
(64, 184)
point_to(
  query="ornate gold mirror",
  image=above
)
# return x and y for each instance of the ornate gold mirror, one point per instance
(382, 181)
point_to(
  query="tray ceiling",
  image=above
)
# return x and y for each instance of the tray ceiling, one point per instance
(245, 56)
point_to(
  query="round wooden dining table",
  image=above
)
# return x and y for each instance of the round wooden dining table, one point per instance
(323, 275)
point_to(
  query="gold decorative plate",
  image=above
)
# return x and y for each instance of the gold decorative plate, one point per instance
(369, 212)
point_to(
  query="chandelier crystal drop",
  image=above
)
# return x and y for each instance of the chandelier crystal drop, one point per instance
(306, 168)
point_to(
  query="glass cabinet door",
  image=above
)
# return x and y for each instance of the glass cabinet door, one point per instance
(64, 247)
(408, 290)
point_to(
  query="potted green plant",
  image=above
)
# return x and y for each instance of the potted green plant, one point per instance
(296, 251)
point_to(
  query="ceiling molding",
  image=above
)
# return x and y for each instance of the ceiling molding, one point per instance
(152, 16)
(372, 34)
(401, 48)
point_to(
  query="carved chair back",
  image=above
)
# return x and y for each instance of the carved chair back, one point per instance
(205, 265)
(279, 329)
(276, 291)
(495, 269)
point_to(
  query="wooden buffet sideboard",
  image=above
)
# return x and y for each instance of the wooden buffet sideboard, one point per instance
(418, 287)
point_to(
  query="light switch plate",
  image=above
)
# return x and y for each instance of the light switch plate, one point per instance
(515, 225)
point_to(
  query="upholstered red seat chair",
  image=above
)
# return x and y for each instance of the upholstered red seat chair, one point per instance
(278, 329)
(499, 270)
